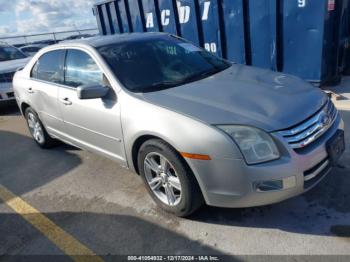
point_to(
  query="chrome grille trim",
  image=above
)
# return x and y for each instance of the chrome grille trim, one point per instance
(308, 131)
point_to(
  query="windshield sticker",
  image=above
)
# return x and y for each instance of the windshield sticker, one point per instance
(190, 47)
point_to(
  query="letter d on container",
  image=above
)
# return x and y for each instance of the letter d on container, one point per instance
(184, 13)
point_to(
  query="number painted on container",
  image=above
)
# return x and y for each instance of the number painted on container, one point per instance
(211, 47)
(331, 5)
(301, 3)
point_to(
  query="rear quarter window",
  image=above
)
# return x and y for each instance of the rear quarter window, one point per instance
(49, 67)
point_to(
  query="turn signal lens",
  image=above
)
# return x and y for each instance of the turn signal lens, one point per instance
(195, 156)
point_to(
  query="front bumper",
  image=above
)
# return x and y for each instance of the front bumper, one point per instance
(233, 183)
(6, 92)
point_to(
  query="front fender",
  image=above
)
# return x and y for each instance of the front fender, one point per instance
(185, 134)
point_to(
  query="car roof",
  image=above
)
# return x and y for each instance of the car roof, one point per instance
(98, 41)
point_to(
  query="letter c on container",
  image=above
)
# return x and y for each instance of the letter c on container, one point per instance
(165, 17)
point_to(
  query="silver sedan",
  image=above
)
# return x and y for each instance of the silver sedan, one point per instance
(195, 127)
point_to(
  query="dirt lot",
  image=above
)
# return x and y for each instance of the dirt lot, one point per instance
(105, 208)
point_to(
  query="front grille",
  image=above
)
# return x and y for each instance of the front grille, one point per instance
(6, 77)
(316, 173)
(10, 94)
(308, 131)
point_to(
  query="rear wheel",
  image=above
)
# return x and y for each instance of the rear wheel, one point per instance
(168, 179)
(37, 130)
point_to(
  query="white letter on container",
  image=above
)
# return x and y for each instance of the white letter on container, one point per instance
(149, 20)
(206, 11)
(184, 13)
(165, 17)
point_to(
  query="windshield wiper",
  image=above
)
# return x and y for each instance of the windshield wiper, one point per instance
(201, 75)
(158, 86)
(168, 84)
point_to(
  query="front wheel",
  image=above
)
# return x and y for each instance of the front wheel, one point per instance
(37, 130)
(168, 179)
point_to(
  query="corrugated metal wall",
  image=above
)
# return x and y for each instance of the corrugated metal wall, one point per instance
(307, 38)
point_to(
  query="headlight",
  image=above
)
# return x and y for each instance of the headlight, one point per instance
(256, 145)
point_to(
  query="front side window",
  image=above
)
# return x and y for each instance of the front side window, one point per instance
(153, 64)
(81, 69)
(8, 53)
(49, 67)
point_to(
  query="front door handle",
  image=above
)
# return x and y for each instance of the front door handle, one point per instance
(30, 90)
(66, 101)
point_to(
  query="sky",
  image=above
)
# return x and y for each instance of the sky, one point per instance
(18, 17)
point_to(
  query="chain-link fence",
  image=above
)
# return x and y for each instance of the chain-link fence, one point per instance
(49, 38)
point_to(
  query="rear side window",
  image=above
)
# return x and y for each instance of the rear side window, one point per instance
(49, 67)
(81, 69)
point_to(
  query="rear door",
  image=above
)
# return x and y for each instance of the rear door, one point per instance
(90, 123)
(46, 76)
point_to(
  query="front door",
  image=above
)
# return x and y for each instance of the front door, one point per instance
(90, 123)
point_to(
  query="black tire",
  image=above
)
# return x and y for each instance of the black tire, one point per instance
(47, 141)
(191, 196)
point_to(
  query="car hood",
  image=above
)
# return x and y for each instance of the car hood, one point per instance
(243, 95)
(13, 65)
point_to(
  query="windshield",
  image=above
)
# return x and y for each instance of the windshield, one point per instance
(154, 64)
(10, 53)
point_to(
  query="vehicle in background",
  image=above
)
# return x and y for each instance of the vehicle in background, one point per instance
(11, 59)
(31, 50)
(40, 42)
(194, 126)
(19, 45)
(45, 42)
(80, 36)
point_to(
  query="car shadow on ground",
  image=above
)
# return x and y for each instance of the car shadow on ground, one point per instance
(128, 234)
(104, 234)
(24, 166)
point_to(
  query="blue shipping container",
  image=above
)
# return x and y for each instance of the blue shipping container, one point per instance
(307, 38)
(344, 36)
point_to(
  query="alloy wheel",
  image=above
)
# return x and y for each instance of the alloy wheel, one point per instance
(35, 128)
(162, 179)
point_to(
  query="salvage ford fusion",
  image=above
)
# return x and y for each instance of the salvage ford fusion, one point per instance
(195, 127)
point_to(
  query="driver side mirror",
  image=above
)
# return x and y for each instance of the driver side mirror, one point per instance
(92, 91)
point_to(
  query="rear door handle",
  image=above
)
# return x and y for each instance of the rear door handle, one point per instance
(30, 90)
(66, 101)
